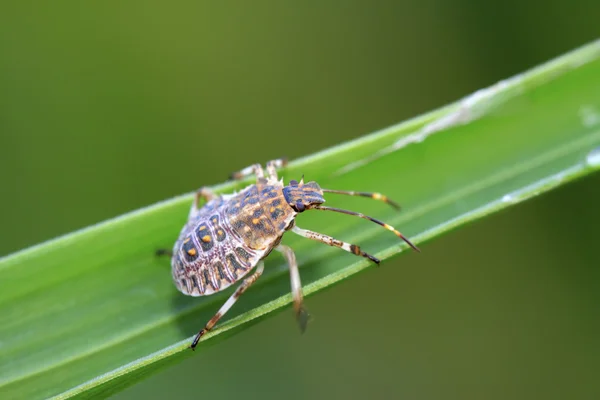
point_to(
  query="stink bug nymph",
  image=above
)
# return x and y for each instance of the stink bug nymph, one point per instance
(231, 234)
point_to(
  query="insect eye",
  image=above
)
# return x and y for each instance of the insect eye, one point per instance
(300, 206)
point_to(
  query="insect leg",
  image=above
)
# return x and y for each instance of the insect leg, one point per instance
(301, 313)
(273, 165)
(255, 169)
(230, 302)
(202, 193)
(319, 237)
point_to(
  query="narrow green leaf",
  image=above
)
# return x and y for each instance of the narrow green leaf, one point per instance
(92, 312)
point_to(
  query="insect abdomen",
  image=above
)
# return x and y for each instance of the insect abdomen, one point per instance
(208, 257)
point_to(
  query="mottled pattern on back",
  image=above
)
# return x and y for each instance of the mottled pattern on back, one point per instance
(226, 238)
(259, 214)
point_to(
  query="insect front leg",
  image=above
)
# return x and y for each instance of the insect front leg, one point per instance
(301, 313)
(230, 302)
(319, 237)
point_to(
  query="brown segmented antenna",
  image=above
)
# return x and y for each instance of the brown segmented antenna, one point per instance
(386, 226)
(374, 196)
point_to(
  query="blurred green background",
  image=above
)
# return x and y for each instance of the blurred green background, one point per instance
(108, 107)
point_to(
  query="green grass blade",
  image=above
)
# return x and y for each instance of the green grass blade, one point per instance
(92, 312)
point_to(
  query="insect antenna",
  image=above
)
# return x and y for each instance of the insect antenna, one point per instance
(374, 196)
(386, 226)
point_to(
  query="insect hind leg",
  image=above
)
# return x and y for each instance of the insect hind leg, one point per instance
(202, 193)
(257, 170)
(301, 313)
(164, 252)
(319, 237)
(273, 165)
(229, 303)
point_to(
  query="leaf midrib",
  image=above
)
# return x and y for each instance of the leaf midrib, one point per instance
(573, 147)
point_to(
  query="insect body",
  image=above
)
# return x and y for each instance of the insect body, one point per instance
(231, 234)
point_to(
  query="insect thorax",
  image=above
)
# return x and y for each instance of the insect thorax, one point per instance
(260, 215)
